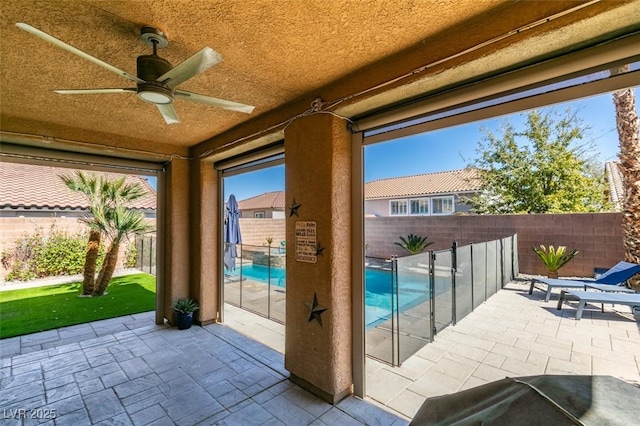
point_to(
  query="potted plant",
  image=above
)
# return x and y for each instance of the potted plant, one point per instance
(183, 310)
(553, 258)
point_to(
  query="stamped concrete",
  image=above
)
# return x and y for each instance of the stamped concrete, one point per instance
(511, 334)
(233, 373)
(145, 374)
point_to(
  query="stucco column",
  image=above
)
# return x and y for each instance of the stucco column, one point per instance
(318, 176)
(205, 253)
(177, 254)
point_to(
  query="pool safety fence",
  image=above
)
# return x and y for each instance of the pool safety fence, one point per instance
(432, 290)
(255, 281)
(408, 300)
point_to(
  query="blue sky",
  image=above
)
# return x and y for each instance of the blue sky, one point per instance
(447, 149)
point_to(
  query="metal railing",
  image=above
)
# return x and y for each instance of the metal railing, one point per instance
(146, 256)
(429, 291)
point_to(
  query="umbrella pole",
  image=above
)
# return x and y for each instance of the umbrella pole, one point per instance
(269, 283)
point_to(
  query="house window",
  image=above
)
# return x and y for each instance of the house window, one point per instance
(258, 215)
(398, 207)
(442, 205)
(420, 206)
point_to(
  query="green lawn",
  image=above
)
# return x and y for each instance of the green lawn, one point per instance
(45, 308)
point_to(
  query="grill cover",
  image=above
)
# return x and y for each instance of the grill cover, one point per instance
(537, 400)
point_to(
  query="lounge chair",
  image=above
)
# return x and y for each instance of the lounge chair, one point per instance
(585, 297)
(615, 276)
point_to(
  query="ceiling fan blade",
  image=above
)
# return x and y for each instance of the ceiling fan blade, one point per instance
(91, 91)
(168, 113)
(61, 44)
(201, 61)
(208, 100)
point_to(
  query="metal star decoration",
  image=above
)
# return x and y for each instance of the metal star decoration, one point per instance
(319, 249)
(294, 208)
(315, 310)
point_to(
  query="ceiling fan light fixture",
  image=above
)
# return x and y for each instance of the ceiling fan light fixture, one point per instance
(155, 94)
(156, 78)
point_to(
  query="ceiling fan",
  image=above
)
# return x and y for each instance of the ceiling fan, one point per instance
(156, 79)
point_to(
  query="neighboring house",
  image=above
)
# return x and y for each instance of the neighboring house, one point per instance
(37, 191)
(269, 205)
(432, 194)
(614, 191)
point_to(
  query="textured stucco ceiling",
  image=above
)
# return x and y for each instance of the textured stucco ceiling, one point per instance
(277, 56)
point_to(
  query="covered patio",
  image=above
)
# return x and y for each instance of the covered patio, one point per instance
(325, 77)
(130, 370)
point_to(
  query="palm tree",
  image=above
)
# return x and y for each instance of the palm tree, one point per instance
(92, 187)
(628, 127)
(627, 123)
(99, 192)
(121, 223)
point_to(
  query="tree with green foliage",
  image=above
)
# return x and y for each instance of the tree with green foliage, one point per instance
(543, 168)
(120, 222)
(101, 193)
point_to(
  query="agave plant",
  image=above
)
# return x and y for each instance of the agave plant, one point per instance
(414, 244)
(553, 258)
(185, 305)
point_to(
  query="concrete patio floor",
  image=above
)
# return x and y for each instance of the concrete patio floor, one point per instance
(134, 372)
(129, 371)
(511, 334)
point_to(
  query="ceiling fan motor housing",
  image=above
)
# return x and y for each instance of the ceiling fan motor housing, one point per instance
(150, 67)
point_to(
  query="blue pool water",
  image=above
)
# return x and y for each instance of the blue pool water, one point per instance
(413, 291)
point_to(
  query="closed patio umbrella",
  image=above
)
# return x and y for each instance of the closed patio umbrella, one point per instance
(231, 233)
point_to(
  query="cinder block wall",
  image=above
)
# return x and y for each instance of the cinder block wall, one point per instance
(598, 237)
(254, 231)
(13, 228)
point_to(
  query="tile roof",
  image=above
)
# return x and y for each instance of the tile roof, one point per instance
(270, 200)
(448, 182)
(613, 176)
(29, 186)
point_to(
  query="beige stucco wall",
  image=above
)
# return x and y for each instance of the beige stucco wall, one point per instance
(318, 176)
(177, 238)
(380, 208)
(205, 234)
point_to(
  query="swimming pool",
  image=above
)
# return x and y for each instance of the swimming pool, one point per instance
(413, 289)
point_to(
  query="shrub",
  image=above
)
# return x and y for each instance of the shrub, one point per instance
(553, 258)
(414, 244)
(18, 260)
(131, 256)
(36, 256)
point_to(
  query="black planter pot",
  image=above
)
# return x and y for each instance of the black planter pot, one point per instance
(184, 321)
